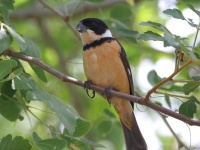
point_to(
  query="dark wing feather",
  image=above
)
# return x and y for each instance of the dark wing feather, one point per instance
(127, 68)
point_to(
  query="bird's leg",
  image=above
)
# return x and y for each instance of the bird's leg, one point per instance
(107, 93)
(87, 87)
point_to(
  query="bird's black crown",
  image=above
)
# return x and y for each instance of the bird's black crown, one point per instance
(96, 25)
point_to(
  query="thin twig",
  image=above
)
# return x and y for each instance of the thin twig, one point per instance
(180, 143)
(131, 98)
(167, 79)
(59, 14)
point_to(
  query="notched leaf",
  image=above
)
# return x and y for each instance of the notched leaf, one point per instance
(189, 107)
(176, 13)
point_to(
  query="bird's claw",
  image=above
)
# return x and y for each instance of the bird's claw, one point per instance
(107, 93)
(87, 87)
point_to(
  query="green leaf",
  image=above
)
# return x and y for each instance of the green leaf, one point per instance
(5, 40)
(127, 33)
(168, 101)
(155, 25)
(6, 67)
(20, 40)
(8, 4)
(80, 143)
(6, 142)
(9, 108)
(175, 13)
(36, 137)
(109, 113)
(158, 103)
(189, 107)
(7, 89)
(190, 87)
(13, 74)
(24, 81)
(39, 72)
(149, 35)
(124, 13)
(18, 143)
(82, 128)
(153, 77)
(196, 78)
(49, 144)
(67, 115)
(192, 8)
(105, 127)
(170, 40)
(178, 15)
(32, 49)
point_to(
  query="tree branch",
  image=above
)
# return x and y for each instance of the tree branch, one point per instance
(131, 98)
(35, 11)
(59, 14)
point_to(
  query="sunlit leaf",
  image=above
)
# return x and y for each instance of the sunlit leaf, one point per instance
(190, 87)
(67, 115)
(5, 39)
(13, 74)
(20, 40)
(24, 81)
(189, 107)
(6, 67)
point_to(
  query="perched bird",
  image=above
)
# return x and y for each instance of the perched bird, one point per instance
(106, 65)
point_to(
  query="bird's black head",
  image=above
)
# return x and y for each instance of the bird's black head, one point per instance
(92, 29)
(94, 24)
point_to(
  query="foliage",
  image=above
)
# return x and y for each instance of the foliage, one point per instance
(23, 85)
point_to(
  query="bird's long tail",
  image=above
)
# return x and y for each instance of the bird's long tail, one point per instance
(133, 138)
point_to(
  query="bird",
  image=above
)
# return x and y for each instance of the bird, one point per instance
(106, 65)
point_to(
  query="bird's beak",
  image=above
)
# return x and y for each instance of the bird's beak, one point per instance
(81, 28)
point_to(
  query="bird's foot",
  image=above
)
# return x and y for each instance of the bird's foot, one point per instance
(87, 87)
(107, 93)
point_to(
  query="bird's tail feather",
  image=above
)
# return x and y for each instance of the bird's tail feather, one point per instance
(133, 138)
